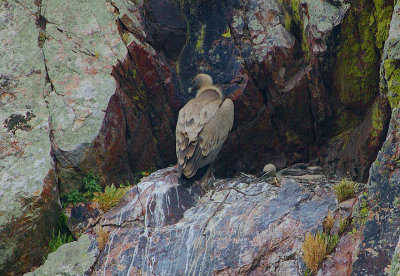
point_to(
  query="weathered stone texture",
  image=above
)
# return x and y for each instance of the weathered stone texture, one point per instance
(382, 229)
(97, 86)
(28, 195)
(246, 226)
(75, 258)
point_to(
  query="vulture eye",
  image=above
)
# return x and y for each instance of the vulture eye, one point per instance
(195, 85)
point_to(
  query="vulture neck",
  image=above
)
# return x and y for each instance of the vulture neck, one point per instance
(209, 87)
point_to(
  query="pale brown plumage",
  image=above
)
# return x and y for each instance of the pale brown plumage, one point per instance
(203, 126)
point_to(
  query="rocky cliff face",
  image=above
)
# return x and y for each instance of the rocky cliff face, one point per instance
(246, 226)
(96, 86)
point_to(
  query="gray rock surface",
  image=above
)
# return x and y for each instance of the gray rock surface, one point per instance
(382, 227)
(55, 84)
(28, 195)
(245, 226)
(75, 258)
(395, 265)
(82, 44)
(390, 79)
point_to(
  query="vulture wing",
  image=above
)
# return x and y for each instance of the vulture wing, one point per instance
(203, 126)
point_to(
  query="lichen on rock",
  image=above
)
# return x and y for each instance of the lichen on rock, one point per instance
(75, 258)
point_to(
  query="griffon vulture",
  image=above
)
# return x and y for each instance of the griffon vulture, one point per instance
(202, 128)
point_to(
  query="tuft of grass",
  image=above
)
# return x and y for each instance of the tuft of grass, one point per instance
(316, 248)
(60, 235)
(331, 242)
(328, 223)
(343, 223)
(110, 197)
(102, 236)
(314, 251)
(345, 189)
(58, 240)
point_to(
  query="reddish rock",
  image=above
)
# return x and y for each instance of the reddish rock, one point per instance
(341, 260)
(81, 217)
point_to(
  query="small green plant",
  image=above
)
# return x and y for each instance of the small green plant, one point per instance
(140, 174)
(110, 197)
(125, 38)
(331, 242)
(57, 240)
(345, 189)
(60, 234)
(73, 197)
(343, 223)
(42, 36)
(91, 182)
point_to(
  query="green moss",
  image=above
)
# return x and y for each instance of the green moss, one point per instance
(227, 33)
(363, 34)
(376, 121)
(362, 215)
(200, 39)
(139, 94)
(345, 119)
(292, 16)
(383, 14)
(294, 4)
(392, 76)
(287, 21)
(134, 74)
(295, 9)
(305, 47)
(42, 36)
(357, 61)
(343, 138)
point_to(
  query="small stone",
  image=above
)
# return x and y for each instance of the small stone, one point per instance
(347, 205)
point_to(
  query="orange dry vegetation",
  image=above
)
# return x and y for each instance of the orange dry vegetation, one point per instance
(314, 249)
(329, 221)
(102, 237)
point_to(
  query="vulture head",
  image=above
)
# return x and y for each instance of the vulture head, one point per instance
(199, 82)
